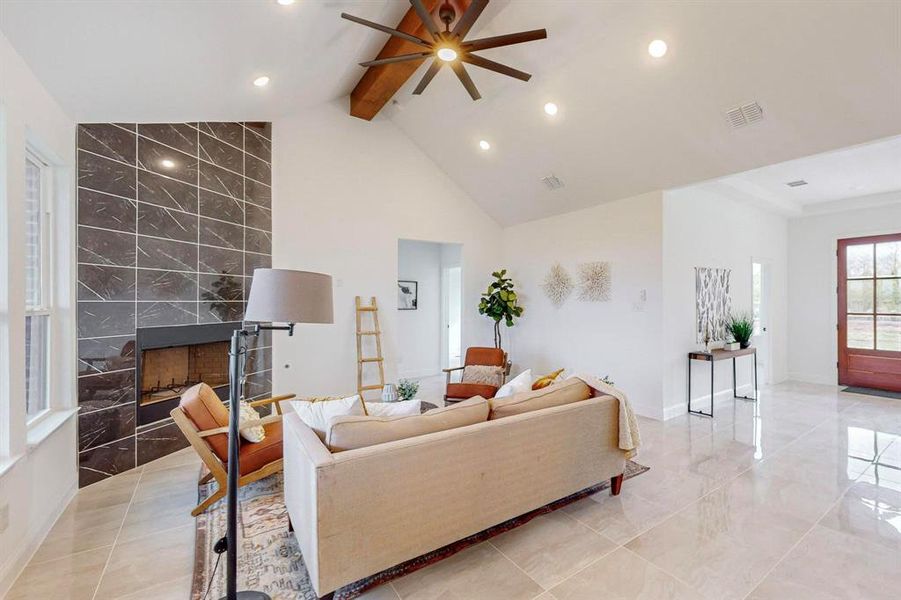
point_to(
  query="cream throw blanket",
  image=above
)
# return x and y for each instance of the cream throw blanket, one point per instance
(629, 438)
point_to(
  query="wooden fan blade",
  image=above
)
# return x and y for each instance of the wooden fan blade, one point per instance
(394, 32)
(395, 59)
(506, 40)
(460, 70)
(497, 67)
(469, 18)
(426, 17)
(429, 75)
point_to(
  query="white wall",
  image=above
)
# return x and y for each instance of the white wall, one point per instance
(601, 338)
(419, 331)
(38, 473)
(704, 227)
(345, 191)
(813, 310)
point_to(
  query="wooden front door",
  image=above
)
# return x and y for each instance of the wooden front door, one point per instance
(869, 312)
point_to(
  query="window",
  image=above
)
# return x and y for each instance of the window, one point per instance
(38, 293)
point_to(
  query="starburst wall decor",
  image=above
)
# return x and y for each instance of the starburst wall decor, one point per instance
(594, 282)
(558, 285)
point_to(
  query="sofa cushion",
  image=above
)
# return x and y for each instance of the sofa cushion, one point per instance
(470, 390)
(556, 394)
(204, 408)
(349, 432)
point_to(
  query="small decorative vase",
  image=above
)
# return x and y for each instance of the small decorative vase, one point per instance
(389, 393)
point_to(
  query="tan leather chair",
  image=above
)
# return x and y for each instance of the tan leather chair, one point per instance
(491, 357)
(203, 419)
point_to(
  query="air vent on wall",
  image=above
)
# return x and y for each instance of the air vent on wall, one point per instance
(744, 114)
(797, 183)
(552, 182)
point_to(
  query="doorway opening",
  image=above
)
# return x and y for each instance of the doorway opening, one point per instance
(760, 308)
(430, 307)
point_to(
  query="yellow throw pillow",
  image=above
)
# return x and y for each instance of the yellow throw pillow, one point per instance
(543, 382)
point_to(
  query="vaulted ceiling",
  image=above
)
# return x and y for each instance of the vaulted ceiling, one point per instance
(827, 75)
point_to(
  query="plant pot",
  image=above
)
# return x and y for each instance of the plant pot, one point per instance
(745, 344)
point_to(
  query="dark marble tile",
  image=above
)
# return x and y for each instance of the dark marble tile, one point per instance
(104, 426)
(264, 128)
(128, 126)
(166, 286)
(224, 208)
(247, 282)
(220, 312)
(96, 392)
(159, 314)
(256, 261)
(166, 161)
(257, 241)
(105, 175)
(180, 136)
(166, 223)
(221, 154)
(257, 192)
(101, 319)
(105, 283)
(256, 169)
(108, 140)
(166, 254)
(258, 360)
(215, 288)
(232, 133)
(105, 461)
(166, 192)
(159, 442)
(110, 212)
(258, 384)
(103, 247)
(99, 355)
(219, 233)
(258, 145)
(263, 340)
(219, 180)
(220, 260)
(258, 217)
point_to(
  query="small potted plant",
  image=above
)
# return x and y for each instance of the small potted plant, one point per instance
(407, 389)
(741, 327)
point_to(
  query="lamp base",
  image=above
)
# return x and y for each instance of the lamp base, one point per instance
(249, 595)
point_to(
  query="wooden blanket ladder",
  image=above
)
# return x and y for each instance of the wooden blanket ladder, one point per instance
(376, 331)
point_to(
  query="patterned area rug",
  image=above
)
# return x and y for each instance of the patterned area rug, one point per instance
(270, 560)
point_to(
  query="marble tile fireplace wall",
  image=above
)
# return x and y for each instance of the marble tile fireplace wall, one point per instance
(172, 220)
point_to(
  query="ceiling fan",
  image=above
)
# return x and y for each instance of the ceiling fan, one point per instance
(450, 47)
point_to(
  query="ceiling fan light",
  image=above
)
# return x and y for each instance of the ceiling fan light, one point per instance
(447, 54)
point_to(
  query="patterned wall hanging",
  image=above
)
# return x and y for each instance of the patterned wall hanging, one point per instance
(594, 282)
(558, 285)
(713, 302)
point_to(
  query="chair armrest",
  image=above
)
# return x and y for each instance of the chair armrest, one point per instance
(251, 423)
(451, 370)
(276, 399)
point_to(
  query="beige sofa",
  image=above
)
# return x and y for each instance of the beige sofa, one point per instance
(360, 511)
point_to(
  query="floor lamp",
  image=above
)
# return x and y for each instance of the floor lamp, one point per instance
(276, 296)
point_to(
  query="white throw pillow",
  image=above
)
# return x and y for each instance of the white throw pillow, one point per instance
(254, 433)
(520, 383)
(317, 414)
(394, 409)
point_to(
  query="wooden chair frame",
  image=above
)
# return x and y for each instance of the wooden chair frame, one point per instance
(218, 469)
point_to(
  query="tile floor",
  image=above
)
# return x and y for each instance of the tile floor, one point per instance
(796, 497)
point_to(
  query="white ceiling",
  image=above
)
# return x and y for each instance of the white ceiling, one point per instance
(827, 74)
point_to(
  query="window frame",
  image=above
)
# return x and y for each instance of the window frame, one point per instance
(46, 308)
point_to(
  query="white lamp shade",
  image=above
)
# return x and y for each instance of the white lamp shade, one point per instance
(288, 296)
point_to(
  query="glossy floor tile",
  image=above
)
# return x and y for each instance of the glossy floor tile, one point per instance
(797, 496)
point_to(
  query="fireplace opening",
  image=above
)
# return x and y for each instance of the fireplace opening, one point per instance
(167, 372)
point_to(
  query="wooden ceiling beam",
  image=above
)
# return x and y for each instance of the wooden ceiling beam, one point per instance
(379, 84)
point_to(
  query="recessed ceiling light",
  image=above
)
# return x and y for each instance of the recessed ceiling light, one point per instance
(285, 2)
(261, 81)
(657, 48)
(447, 54)
(484, 145)
(550, 108)
(167, 164)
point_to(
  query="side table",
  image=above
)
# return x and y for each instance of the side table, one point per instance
(712, 357)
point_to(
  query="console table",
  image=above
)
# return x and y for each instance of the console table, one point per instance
(712, 357)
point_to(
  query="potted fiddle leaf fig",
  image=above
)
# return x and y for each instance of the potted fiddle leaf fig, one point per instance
(741, 327)
(500, 303)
